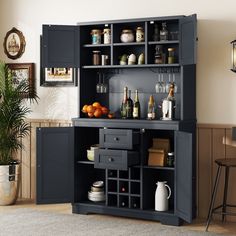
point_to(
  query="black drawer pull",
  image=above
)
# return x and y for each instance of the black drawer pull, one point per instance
(110, 159)
(116, 139)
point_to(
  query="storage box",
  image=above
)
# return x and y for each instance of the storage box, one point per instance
(157, 157)
(160, 143)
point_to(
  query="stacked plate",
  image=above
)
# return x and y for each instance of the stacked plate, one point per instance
(97, 192)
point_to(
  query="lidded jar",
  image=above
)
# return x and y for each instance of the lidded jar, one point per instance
(139, 34)
(171, 55)
(106, 36)
(96, 36)
(127, 36)
(96, 58)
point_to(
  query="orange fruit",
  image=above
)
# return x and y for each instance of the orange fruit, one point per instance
(90, 114)
(98, 113)
(97, 105)
(90, 109)
(111, 115)
(84, 109)
(104, 110)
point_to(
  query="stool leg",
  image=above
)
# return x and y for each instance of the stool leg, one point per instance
(213, 197)
(225, 193)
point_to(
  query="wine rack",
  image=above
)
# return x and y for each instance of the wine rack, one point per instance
(124, 188)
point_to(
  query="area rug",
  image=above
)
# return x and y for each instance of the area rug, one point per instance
(30, 222)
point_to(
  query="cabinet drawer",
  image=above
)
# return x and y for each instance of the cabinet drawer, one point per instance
(115, 159)
(118, 138)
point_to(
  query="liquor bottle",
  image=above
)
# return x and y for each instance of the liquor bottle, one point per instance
(151, 108)
(156, 33)
(129, 107)
(168, 105)
(136, 107)
(123, 109)
(164, 32)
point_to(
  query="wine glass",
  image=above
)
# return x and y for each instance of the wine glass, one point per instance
(169, 80)
(99, 84)
(175, 85)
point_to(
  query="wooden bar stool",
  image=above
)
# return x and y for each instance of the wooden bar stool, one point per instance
(227, 163)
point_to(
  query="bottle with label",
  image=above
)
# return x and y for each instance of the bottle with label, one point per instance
(129, 107)
(164, 32)
(136, 107)
(123, 109)
(151, 109)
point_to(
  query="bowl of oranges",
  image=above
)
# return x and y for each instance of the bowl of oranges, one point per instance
(96, 110)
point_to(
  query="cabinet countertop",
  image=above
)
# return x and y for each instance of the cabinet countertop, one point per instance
(130, 123)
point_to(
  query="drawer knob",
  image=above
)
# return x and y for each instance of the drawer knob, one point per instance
(116, 139)
(110, 159)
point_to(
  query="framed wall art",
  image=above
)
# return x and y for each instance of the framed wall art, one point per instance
(23, 71)
(58, 77)
(14, 43)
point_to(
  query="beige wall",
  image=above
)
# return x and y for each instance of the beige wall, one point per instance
(216, 28)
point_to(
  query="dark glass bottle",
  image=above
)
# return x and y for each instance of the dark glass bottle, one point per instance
(156, 33)
(129, 107)
(136, 107)
(123, 109)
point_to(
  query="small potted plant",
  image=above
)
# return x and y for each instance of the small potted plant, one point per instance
(13, 127)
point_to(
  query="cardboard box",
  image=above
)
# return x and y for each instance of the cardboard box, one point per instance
(157, 157)
(160, 143)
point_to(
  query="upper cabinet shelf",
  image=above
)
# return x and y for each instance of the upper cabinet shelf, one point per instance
(164, 42)
(96, 45)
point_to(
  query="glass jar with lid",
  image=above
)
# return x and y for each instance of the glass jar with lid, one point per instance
(96, 58)
(106, 36)
(139, 34)
(171, 55)
(96, 36)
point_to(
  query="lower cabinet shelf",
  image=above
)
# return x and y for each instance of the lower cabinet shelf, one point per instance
(166, 217)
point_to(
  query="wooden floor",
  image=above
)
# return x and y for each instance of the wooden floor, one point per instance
(198, 224)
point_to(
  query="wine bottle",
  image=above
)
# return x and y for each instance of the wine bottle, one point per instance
(129, 107)
(123, 109)
(151, 108)
(136, 107)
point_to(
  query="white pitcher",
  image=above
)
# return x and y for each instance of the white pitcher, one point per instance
(162, 196)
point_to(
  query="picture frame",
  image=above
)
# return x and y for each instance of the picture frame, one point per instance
(22, 71)
(54, 76)
(14, 43)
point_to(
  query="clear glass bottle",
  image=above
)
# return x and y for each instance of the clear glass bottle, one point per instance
(136, 107)
(129, 107)
(151, 108)
(124, 104)
(164, 32)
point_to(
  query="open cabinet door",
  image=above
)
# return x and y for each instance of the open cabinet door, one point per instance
(188, 39)
(60, 46)
(183, 178)
(54, 173)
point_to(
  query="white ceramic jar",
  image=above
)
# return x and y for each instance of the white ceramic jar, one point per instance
(127, 36)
